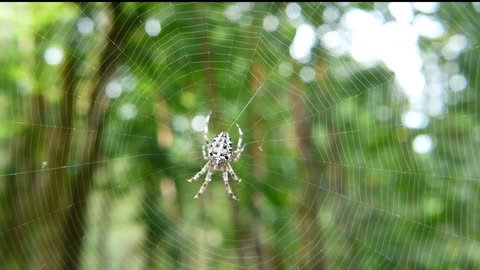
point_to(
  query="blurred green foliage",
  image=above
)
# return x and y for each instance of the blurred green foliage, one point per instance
(331, 178)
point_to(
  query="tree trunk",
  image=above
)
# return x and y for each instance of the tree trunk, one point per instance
(54, 190)
(256, 81)
(153, 222)
(312, 256)
(21, 184)
(158, 224)
(75, 223)
(25, 161)
(104, 262)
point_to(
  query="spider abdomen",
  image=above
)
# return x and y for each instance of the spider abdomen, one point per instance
(220, 150)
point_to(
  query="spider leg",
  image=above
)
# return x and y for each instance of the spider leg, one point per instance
(240, 138)
(238, 152)
(208, 178)
(200, 173)
(235, 177)
(205, 131)
(204, 150)
(227, 186)
(205, 137)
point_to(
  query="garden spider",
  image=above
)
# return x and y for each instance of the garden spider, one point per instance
(219, 154)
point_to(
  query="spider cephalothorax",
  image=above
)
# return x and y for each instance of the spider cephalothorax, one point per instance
(219, 154)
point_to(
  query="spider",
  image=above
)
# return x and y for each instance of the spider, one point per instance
(219, 155)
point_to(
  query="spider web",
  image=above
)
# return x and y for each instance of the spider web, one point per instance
(360, 131)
